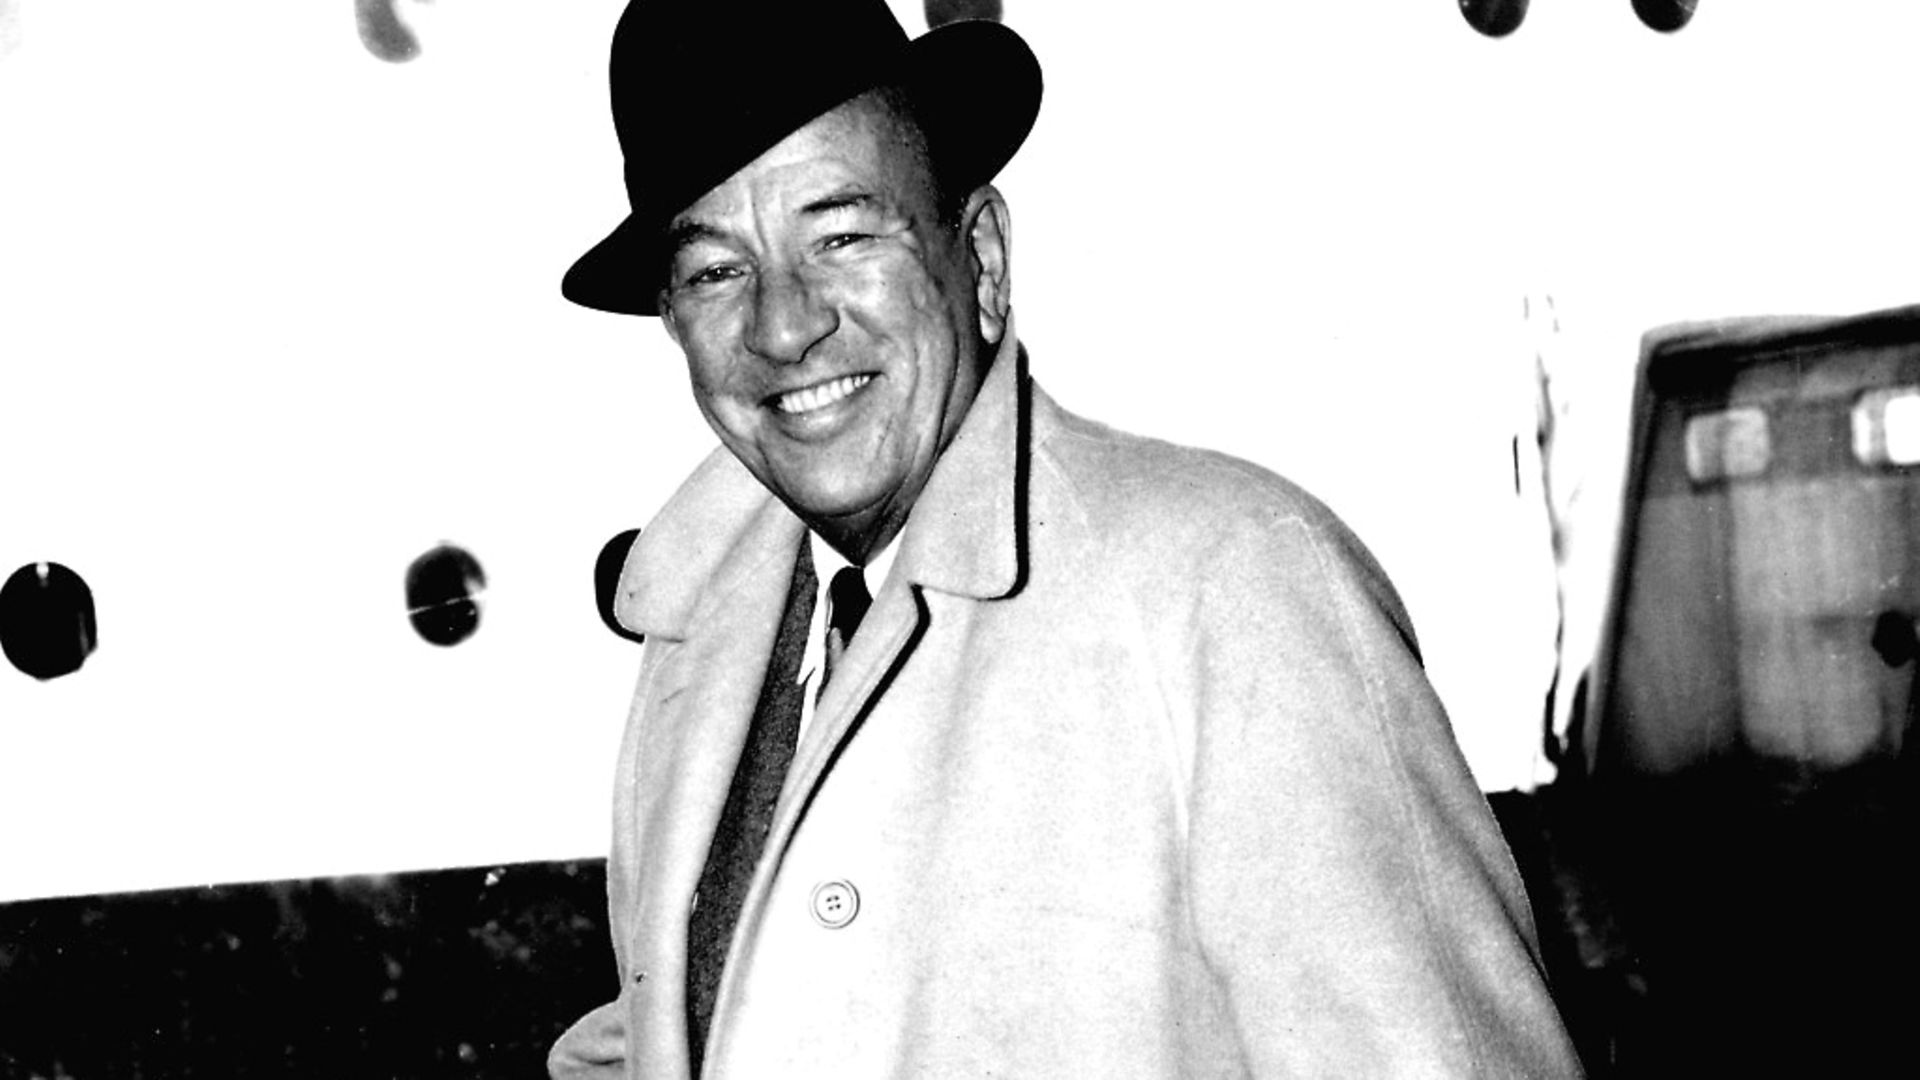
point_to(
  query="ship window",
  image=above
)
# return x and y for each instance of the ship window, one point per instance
(1728, 445)
(1886, 426)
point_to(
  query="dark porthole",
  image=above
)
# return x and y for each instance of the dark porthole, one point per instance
(443, 595)
(1665, 16)
(1494, 18)
(47, 623)
(606, 580)
(382, 32)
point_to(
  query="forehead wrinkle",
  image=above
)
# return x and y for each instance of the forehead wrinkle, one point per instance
(839, 158)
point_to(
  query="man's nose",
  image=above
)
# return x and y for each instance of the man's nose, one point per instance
(789, 318)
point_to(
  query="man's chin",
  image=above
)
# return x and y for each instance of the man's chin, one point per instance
(840, 500)
(851, 525)
(838, 516)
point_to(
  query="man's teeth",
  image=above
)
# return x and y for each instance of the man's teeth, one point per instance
(821, 396)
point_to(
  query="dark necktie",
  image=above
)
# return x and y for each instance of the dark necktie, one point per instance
(748, 814)
(847, 603)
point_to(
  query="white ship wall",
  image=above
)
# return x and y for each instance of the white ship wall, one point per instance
(277, 316)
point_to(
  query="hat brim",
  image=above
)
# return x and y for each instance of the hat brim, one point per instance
(976, 90)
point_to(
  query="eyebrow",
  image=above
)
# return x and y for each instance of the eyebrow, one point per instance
(688, 232)
(839, 200)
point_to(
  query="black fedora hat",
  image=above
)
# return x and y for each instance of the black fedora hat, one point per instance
(701, 88)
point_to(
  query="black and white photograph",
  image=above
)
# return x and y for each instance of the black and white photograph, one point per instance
(638, 539)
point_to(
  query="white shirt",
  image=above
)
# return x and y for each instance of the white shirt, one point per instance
(826, 563)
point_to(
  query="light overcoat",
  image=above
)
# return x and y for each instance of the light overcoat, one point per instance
(1131, 772)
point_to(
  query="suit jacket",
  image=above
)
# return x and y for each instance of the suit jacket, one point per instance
(1132, 771)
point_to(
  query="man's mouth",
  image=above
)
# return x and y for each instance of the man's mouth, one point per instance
(820, 395)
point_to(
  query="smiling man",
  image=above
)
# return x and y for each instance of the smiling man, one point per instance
(973, 738)
(828, 313)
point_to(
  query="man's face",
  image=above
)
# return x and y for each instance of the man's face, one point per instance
(830, 323)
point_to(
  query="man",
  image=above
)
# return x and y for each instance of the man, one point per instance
(1130, 769)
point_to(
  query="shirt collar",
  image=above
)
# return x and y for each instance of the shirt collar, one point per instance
(827, 561)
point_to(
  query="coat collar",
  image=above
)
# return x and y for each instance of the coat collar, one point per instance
(966, 534)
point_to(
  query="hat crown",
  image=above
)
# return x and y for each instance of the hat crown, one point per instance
(716, 84)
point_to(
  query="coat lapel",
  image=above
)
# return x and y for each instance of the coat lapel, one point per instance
(707, 583)
(965, 537)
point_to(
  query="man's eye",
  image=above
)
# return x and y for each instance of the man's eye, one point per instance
(841, 240)
(713, 275)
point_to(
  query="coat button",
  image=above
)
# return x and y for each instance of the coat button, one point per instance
(835, 903)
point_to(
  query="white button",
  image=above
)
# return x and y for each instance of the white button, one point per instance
(835, 903)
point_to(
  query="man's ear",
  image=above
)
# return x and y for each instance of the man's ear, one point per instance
(989, 243)
(666, 319)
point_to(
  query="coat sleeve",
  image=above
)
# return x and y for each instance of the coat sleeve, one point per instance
(1351, 890)
(594, 1048)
